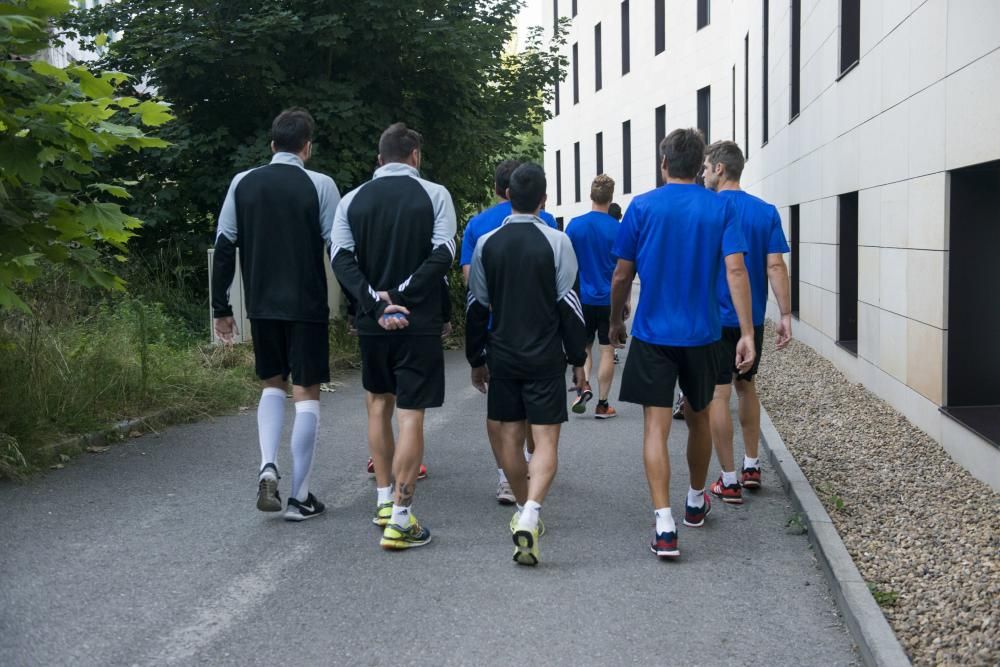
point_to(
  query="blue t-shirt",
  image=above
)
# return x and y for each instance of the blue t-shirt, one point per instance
(677, 235)
(761, 226)
(593, 235)
(486, 222)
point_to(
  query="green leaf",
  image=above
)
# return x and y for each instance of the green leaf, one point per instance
(153, 113)
(9, 300)
(51, 71)
(90, 85)
(113, 190)
(101, 39)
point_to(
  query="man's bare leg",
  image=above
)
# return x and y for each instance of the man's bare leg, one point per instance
(545, 460)
(746, 390)
(511, 439)
(699, 449)
(605, 372)
(722, 426)
(381, 443)
(409, 454)
(655, 431)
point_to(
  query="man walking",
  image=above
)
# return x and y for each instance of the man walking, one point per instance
(479, 226)
(593, 235)
(279, 217)
(523, 273)
(675, 237)
(393, 242)
(765, 263)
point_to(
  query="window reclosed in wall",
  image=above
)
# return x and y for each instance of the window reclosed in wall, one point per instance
(560, 223)
(597, 57)
(765, 28)
(573, 8)
(627, 157)
(733, 98)
(558, 178)
(660, 26)
(705, 113)
(626, 43)
(576, 171)
(661, 132)
(599, 150)
(704, 13)
(796, 60)
(847, 329)
(793, 228)
(556, 98)
(850, 34)
(746, 96)
(973, 365)
(576, 74)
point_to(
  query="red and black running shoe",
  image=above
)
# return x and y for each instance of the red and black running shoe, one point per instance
(371, 466)
(750, 478)
(695, 516)
(664, 545)
(732, 494)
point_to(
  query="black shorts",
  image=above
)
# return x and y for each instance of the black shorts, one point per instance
(731, 336)
(541, 401)
(597, 319)
(409, 367)
(651, 371)
(301, 349)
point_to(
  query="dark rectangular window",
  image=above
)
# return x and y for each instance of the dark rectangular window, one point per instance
(848, 272)
(576, 74)
(796, 60)
(557, 98)
(705, 113)
(660, 25)
(973, 365)
(763, 70)
(560, 224)
(746, 97)
(627, 157)
(733, 98)
(573, 7)
(576, 171)
(558, 178)
(661, 132)
(850, 34)
(599, 150)
(704, 13)
(597, 57)
(793, 224)
(555, 16)
(626, 45)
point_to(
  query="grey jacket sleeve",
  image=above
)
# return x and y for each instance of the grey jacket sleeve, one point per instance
(345, 263)
(428, 276)
(224, 257)
(329, 199)
(571, 322)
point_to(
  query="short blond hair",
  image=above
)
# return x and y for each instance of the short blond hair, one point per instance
(602, 190)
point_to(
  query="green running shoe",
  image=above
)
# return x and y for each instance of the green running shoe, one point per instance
(383, 512)
(513, 524)
(396, 537)
(526, 547)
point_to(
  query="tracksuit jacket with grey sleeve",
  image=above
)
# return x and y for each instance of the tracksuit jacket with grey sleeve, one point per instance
(279, 216)
(524, 272)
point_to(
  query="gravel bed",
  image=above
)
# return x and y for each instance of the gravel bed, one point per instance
(924, 533)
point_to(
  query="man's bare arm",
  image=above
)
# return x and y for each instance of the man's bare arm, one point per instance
(621, 293)
(739, 289)
(777, 275)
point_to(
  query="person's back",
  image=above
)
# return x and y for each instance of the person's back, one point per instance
(487, 221)
(593, 235)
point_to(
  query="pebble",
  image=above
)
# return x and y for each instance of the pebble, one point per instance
(915, 522)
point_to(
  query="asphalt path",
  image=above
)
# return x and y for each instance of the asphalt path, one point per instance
(153, 553)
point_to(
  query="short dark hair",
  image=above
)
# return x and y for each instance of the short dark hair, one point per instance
(527, 188)
(728, 154)
(397, 142)
(292, 130)
(615, 211)
(684, 152)
(501, 177)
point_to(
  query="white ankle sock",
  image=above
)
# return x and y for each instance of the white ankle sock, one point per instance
(750, 463)
(527, 454)
(304, 433)
(384, 494)
(529, 516)
(696, 497)
(270, 421)
(665, 521)
(501, 475)
(728, 478)
(400, 516)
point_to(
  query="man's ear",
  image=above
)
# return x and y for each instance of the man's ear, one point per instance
(273, 149)
(380, 162)
(545, 198)
(506, 193)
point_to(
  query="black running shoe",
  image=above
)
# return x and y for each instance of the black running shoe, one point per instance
(679, 407)
(300, 510)
(268, 499)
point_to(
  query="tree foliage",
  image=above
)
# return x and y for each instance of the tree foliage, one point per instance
(229, 67)
(56, 125)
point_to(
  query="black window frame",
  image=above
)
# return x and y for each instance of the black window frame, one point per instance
(660, 27)
(765, 41)
(850, 36)
(576, 172)
(734, 103)
(704, 13)
(626, 157)
(793, 233)
(598, 74)
(576, 73)
(599, 152)
(746, 96)
(573, 8)
(795, 61)
(704, 112)
(847, 273)
(661, 132)
(558, 178)
(626, 38)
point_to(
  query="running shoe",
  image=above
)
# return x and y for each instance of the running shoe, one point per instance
(732, 494)
(371, 466)
(695, 516)
(604, 411)
(617, 360)
(268, 499)
(526, 547)
(664, 545)
(397, 538)
(583, 395)
(517, 515)
(505, 495)
(420, 475)
(383, 512)
(423, 472)
(300, 510)
(750, 478)
(679, 407)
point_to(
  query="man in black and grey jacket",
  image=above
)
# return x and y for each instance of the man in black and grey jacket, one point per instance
(393, 241)
(280, 216)
(524, 273)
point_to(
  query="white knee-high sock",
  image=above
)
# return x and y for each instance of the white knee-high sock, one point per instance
(304, 433)
(270, 421)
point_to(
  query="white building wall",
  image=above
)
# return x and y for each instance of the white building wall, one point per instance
(921, 101)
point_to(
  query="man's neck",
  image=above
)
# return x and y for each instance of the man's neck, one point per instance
(679, 181)
(534, 213)
(728, 185)
(600, 208)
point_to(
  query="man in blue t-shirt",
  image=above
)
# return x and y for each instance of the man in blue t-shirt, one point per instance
(478, 227)
(593, 234)
(765, 262)
(675, 237)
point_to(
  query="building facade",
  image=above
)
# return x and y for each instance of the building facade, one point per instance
(873, 127)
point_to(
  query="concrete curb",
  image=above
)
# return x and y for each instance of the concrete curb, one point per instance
(877, 643)
(114, 433)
